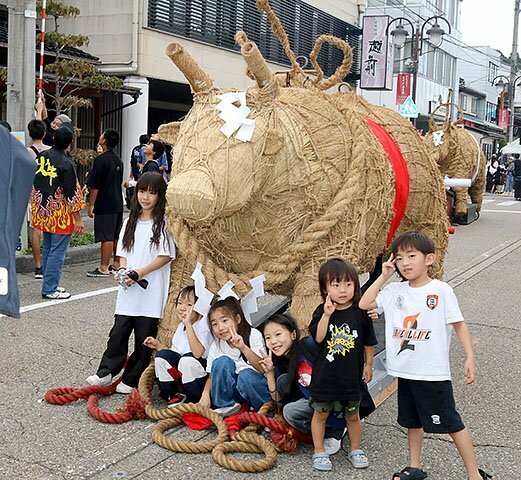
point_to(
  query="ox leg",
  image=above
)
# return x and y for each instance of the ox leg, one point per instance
(460, 205)
(476, 193)
(306, 297)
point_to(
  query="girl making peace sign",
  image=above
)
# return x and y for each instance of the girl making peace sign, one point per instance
(233, 361)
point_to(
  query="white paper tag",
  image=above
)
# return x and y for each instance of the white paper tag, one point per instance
(249, 301)
(4, 281)
(235, 118)
(204, 296)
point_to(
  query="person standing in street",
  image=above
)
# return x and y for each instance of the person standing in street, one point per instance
(517, 177)
(37, 130)
(106, 201)
(56, 201)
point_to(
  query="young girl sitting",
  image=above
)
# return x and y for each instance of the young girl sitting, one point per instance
(233, 361)
(180, 370)
(345, 333)
(288, 369)
(146, 249)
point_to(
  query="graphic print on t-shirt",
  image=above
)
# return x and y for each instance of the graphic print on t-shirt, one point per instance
(432, 301)
(342, 341)
(410, 332)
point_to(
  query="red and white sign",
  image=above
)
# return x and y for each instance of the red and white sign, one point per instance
(502, 121)
(403, 87)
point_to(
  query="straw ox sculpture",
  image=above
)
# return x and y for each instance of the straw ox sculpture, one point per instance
(458, 155)
(322, 175)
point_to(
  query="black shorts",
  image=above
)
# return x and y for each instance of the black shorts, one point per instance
(428, 405)
(107, 226)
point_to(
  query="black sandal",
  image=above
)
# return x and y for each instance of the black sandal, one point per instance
(484, 475)
(412, 473)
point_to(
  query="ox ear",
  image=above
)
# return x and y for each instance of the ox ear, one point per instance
(273, 143)
(168, 132)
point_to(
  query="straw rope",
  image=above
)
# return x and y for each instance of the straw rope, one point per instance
(159, 429)
(341, 71)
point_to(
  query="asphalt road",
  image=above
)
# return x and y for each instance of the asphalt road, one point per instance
(59, 344)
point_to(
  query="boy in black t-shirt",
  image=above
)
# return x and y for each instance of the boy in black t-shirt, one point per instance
(345, 334)
(106, 201)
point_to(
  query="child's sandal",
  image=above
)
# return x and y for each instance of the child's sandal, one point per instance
(484, 475)
(410, 473)
(321, 462)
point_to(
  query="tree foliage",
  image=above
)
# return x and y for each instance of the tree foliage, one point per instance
(71, 75)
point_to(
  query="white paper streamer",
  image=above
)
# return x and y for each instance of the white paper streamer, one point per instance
(226, 291)
(457, 182)
(437, 138)
(249, 302)
(235, 118)
(204, 296)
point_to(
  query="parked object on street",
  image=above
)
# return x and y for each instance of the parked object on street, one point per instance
(276, 179)
(459, 155)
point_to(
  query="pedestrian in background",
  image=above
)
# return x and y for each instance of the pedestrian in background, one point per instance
(509, 186)
(154, 150)
(492, 166)
(517, 177)
(37, 130)
(162, 160)
(106, 201)
(56, 202)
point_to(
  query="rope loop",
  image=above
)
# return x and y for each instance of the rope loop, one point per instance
(159, 429)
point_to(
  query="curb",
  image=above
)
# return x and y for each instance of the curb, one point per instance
(74, 255)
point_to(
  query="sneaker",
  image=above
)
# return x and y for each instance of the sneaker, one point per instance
(358, 459)
(98, 273)
(227, 411)
(60, 289)
(123, 388)
(57, 295)
(100, 381)
(38, 272)
(321, 462)
(332, 445)
(177, 399)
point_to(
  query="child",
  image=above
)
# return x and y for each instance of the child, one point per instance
(153, 151)
(288, 372)
(147, 249)
(185, 362)
(233, 361)
(420, 314)
(344, 333)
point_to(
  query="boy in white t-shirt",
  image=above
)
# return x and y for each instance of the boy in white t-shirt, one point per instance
(420, 314)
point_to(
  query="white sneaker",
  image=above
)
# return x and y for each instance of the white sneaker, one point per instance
(332, 445)
(99, 381)
(123, 388)
(227, 411)
(57, 295)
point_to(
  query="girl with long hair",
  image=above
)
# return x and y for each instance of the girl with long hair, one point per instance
(146, 250)
(233, 361)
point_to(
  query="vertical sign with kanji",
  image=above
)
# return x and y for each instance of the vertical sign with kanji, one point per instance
(502, 121)
(376, 72)
(403, 87)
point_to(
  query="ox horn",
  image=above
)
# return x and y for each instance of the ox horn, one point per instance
(257, 66)
(199, 80)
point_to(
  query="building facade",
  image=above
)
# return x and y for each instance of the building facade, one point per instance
(130, 38)
(437, 67)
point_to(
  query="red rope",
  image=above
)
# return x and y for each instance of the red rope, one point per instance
(133, 408)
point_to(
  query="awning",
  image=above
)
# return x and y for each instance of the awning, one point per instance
(512, 147)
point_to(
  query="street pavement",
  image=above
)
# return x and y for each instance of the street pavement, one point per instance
(60, 344)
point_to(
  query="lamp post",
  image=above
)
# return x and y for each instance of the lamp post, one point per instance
(399, 35)
(502, 82)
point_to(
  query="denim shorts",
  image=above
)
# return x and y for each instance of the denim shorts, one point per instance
(340, 409)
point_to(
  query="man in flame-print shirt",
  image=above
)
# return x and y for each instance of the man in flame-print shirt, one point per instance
(56, 201)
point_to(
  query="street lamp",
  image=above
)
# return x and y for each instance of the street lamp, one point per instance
(399, 35)
(510, 86)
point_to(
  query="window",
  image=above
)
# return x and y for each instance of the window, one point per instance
(215, 22)
(375, 3)
(463, 102)
(402, 57)
(474, 106)
(492, 72)
(437, 65)
(491, 112)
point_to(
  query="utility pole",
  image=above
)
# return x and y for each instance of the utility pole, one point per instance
(21, 86)
(513, 72)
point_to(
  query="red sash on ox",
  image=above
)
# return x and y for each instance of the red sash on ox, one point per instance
(401, 174)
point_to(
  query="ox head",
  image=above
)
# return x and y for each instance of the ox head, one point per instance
(215, 175)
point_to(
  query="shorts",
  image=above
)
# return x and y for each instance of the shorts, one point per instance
(107, 226)
(340, 408)
(428, 405)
